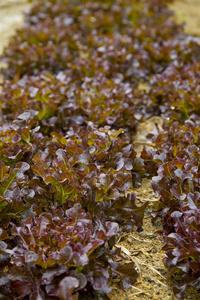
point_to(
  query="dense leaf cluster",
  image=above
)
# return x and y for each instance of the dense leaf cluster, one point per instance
(62, 195)
(64, 100)
(132, 38)
(176, 92)
(178, 181)
(70, 107)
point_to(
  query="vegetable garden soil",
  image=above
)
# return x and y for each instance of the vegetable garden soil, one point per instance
(188, 11)
(11, 18)
(145, 247)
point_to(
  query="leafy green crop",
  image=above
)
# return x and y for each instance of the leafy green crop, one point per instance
(70, 108)
(177, 182)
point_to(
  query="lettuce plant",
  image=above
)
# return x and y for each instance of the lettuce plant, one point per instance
(70, 108)
(177, 184)
(132, 38)
(62, 207)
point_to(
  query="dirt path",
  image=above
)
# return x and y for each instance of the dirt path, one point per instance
(188, 11)
(145, 249)
(11, 18)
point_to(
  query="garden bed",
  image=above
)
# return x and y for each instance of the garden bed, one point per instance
(139, 249)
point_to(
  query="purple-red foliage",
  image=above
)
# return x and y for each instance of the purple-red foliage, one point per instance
(178, 185)
(70, 109)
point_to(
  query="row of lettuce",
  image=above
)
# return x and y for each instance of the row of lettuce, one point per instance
(70, 107)
(178, 179)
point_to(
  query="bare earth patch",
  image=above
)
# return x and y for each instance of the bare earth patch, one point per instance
(145, 249)
(188, 11)
(11, 18)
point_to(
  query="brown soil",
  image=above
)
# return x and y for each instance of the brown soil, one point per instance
(11, 18)
(144, 248)
(188, 12)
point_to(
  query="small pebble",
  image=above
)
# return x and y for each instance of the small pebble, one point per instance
(140, 229)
